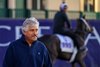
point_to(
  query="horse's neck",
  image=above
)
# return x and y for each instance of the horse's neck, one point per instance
(80, 28)
(80, 33)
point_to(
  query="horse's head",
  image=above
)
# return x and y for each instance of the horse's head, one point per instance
(83, 27)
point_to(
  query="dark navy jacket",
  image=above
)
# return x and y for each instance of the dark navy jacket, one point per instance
(19, 54)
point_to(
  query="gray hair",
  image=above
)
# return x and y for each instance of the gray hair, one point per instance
(29, 22)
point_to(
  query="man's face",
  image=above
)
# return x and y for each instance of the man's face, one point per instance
(31, 33)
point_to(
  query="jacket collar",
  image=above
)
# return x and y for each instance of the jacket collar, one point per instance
(24, 41)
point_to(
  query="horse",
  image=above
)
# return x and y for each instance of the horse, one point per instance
(52, 42)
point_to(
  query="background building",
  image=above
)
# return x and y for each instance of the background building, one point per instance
(46, 8)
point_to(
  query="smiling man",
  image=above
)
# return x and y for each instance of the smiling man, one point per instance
(27, 51)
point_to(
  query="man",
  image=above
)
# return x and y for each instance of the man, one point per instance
(27, 51)
(62, 24)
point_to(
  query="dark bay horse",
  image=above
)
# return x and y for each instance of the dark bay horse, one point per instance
(52, 43)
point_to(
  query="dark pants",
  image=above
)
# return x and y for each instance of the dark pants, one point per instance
(78, 41)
